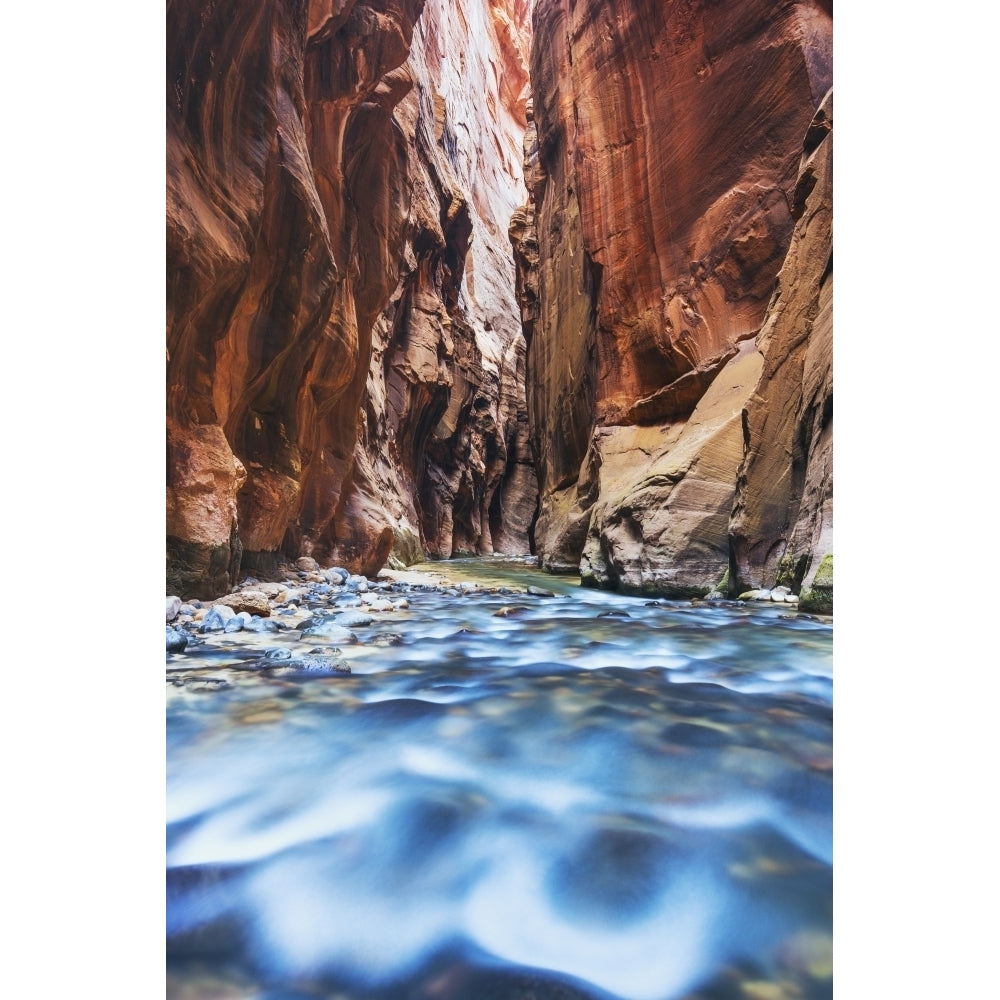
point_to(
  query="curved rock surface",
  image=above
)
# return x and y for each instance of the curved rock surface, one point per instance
(443, 455)
(782, 523)
(662, 177)
(341, 366)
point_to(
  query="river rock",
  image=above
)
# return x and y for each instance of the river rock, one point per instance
(329, 630)
(357, 584)
(380, 604)
(353, 619)
(217, 617)
(304, 667)
(258, 624)
(757, 594)
(176, 640)
(173, 608)
(235, 624)
(540, 592)
(335, 577)
(253, 602)
(348, 601)
(306, 564)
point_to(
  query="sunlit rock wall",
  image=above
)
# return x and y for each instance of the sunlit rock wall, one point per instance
(782, 524)
(311, 219)
(662, 173)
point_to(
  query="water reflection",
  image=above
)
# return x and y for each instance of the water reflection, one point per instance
(547, 804)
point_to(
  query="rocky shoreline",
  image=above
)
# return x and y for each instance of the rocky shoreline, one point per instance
(332, 605)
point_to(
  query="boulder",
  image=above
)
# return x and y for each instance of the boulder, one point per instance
(253, 602)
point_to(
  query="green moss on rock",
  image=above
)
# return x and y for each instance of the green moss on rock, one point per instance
(818, 602)
(818, 599)
(824, 574)
(791, 571)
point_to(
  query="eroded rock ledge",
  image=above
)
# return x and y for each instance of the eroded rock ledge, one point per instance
(345, 364)
(680, 407)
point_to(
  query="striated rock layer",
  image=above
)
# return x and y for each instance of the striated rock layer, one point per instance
(782, 524)
(662, 165)
(343, 354)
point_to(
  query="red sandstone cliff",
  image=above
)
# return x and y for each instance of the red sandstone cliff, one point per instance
(663, 175)
(341, 366)
(782, 525)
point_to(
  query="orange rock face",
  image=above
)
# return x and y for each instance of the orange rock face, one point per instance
(445, 435)
(662, 181)
(782, 523)
(342, 346)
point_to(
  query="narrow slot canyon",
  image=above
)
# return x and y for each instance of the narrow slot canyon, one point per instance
(359, 375)
(499, 488)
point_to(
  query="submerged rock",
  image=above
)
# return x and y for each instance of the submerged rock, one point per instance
(304, 666)
(353, 619)
(176, 640)
(328, 629)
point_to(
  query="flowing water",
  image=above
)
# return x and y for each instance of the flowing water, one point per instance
(585, 796)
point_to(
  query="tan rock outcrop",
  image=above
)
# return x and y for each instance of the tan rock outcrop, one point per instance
(325, 196)
(668, 142)
(660, 523)
(782, 523)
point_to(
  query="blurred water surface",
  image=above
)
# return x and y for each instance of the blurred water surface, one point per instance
(587, 796)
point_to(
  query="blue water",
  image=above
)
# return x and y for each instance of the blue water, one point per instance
(588, 796)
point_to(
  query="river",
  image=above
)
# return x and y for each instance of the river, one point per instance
(584, 795)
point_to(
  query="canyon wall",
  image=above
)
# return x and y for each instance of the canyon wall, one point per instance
(344, 363)
(663, 163)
